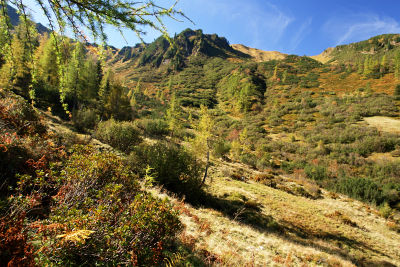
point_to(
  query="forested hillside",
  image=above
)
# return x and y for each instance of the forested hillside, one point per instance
(130, 156)
(317, 108)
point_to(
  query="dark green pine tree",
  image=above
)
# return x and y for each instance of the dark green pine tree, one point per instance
(75, 84)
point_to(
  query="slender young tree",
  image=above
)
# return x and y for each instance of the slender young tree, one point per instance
(173, 114)
(360, 67)
(202, 143)
(275, 75)
(74, 82)
(117, 104)
(92, 77)
(17, 70)
(284, 76)
(368, 66)
(397, 65)
(104, 92)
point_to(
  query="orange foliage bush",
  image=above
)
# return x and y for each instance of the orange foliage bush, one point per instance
(14, 247)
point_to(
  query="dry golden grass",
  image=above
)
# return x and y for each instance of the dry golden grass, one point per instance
(384, 124)
(325, 56)
(257, 54)
(332, 231)
(382, 157)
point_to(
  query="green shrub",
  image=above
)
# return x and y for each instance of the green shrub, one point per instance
(173, 167)
(265, 161)
(385, 210)
(221, 148)
(380, 144)
(316, 172)
(18, 114)
(290, 166)
(84, 119)
(397, 92)
(155, 127)
(360, 188)
(100, 217)
(249, 159)
(120, 135)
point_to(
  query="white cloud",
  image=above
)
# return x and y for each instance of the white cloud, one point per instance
(301, 33)
(359, 27)
(261, 22)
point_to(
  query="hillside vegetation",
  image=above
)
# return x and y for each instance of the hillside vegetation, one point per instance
(190, 152)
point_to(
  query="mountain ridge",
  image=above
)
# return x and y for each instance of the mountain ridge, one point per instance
(257, 54)
(14, 20)
(190, 43)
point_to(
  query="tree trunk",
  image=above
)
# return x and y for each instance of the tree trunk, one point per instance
(205, 172)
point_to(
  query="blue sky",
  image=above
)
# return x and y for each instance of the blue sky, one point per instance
(303, 27)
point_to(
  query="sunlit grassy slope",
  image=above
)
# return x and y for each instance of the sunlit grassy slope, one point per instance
(250, 224)
(312, 126)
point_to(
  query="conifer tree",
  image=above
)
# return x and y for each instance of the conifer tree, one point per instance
(138, 87)
(78, 17)
(94, 15)
(368, 66)
(275, 75)
(349, 68)
(236, 149)
(173, 114)
(202, 143)
(382, 67)
(397, 65)
(132, 101)
(244, 141)
(47, 62)
(284, 76)
(117, 105)
(74, 80)
(5, 40)
(16, 70)
(19, 64)
(104, 92)
(360, 67)
(245, 97)
(92, 78)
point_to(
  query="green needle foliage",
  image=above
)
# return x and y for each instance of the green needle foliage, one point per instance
(93, 15)
(82, 17)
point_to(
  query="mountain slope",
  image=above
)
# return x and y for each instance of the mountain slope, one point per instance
(375, 47)
(257, 54)
(325, 56)
(14, 19)
(189, 43)
(248, 224)
(299, 170)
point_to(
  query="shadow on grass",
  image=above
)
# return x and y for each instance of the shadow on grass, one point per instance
(240, 209)
(340, 245)
(184, 253)
(249, 213)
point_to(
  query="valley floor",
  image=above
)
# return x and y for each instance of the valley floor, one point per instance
(270, 227)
